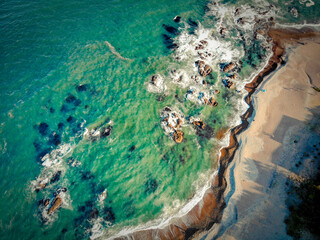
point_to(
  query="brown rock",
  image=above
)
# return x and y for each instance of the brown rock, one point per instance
(57, 201)
(212, 102)
(204, 71)
(200, 63)
(178, 136)
(233, 76)
(46, 202)
(154, 80)
(216, 91)
(261, 32)
(204, 42)
(229, 84)
(223, 30)
(199, 124)
(229, 67)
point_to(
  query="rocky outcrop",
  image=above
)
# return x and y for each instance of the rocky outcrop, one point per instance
(228, 67)
(203, 69)
(227, 83)
(199, 123)
(56, 203)
(171, 122)
(178, 136)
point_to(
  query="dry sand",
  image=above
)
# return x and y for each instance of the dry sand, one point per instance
(256, 195)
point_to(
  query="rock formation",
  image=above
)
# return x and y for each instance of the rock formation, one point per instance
(228, 67)
(56, 203)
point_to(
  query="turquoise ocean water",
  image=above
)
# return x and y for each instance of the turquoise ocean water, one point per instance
(69, 68)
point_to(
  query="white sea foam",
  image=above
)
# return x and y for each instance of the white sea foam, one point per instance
(55, 157)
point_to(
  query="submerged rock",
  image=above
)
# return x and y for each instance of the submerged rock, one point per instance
(82, 87)
(170, 29)
(223, 31)
(55, 177)
(43, 128)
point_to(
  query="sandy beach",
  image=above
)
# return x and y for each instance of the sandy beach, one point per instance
(256, 196)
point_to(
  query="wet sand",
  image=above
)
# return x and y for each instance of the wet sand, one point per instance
(208, 213)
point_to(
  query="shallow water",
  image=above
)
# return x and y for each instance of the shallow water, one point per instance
(67, 68)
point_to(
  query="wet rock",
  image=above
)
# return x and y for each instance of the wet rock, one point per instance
(228, 67)
(52, 110)
(294, 12)
(56, 203)
(199, 123)
(233, 76)
(227, 83)
(177, 19)
(178, 136)
(43, 153)
(237, 11)
(106, 131)
(55, 177)
(82, 87)
(222, 31)
(205, 71)
(43, 128)
(60, 190)
(240, 21)
(154, 80)
(212, 102)
(46, 202)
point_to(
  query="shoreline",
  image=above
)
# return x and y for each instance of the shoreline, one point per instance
(208, 211)
(256, 199)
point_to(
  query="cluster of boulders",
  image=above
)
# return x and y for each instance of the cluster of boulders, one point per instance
(171, 122)
(202, 45)
(203, 68)
(197, 123)
(51, 205)
(229, 67)
(156, 84)
(101, 132)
